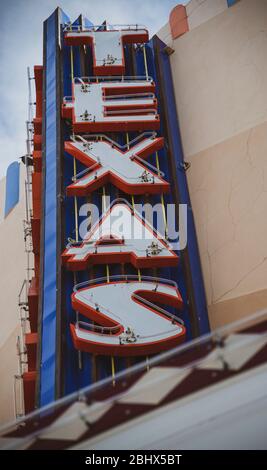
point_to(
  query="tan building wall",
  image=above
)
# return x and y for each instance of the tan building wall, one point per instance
(13, 269)
(199, 11)
(220, 76)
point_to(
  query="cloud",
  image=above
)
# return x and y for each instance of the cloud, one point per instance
(21, 46)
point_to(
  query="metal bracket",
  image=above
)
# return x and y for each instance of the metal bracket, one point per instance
(153, 249)
(128, 336)
(85, 87)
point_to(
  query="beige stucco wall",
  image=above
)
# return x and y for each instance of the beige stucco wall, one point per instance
(220, 71)
(2, 198)
(199, 11)
(228, 189)
(8, 369)
(13, 272)
(165, 34)
(220, 76)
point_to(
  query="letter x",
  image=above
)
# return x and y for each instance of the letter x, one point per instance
(108, 164)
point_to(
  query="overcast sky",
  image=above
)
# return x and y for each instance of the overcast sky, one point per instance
(21, 45)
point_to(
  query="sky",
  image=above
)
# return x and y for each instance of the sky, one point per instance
(21, 46)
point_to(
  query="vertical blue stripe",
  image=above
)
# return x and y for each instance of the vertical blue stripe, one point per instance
(192, 245)
(231, 2)
(12, 187)
(48, 353)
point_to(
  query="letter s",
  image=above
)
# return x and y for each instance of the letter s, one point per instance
(128, 321)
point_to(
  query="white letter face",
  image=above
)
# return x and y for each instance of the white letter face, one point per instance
(120, 106)
(121, 236)
(111, 165)
(134, 325)
(107, 47)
